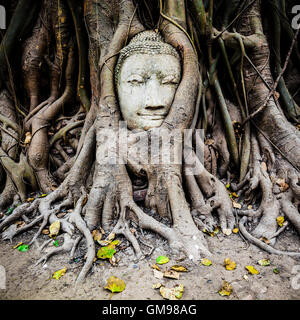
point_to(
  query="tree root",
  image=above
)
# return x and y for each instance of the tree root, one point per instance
(262, 244)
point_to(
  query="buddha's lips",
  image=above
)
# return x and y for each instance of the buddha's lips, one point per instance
(153, 116)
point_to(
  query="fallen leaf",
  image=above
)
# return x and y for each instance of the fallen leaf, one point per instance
(156, 285)
(102, 231)
(235, 230)
(264, 262)
(227, 232)
(235, 195)
(249, 207)
(228, 185)
(282, 184)
(236, 205)
(156, 267)
(27, 138)
(162, 260)
(16, 246)
(206, 262)
(30, 199)
(61, 215)
(226, 289)
(54, 228)
(276, 270)
(23, 247)
(43, 195)
(252, 270)
(172, 293)
(20, 224)
(229, 265)
(104, 243)
(111, 236)
(246, 277)
(115, 284)
(58, 274)
(45, 231)
(106, 252)
(209, 142)
(97, 235)
(132, 230)
(55, 243)
(9, 211)
(113, 244)
(172, 274)
(158, 274)
(179, 268)
(267, 241)
(280, 221)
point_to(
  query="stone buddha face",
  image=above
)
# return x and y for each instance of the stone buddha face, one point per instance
(147, 76)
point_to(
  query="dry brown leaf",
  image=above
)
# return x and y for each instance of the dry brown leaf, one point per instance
(97, 236)
(236, 205)
(282, 184)
(27, 138)
(172, 274)
(209, 142)
(45, 231)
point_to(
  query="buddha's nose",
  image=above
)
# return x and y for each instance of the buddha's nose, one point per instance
(153, 98)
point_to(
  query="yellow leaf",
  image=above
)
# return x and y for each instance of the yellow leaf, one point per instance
(54, 228)
(16, 246)
(58, 274)
(115, 284)
(252, 270)
(235, 195)
(235, 230)
(156, 267)
(30, 199)
(229, 265)
(206, 262)
(280, 221)
(226, 289)
(179, 268)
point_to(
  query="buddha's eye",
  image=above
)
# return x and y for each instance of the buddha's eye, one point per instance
(169, 80)
(135, 79)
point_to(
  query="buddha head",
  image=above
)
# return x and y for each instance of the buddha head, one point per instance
(147, 75)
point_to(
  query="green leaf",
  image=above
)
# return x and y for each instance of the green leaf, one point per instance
(9, 211)
(162, 260)
(23, 248)
(106, 252)
(115, 284)
(276, 270)
(55, 243)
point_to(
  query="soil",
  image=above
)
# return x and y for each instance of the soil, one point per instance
(25, 281)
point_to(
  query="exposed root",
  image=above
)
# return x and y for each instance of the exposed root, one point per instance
(262, 244)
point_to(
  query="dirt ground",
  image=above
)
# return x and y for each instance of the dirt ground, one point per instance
(25, 281)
